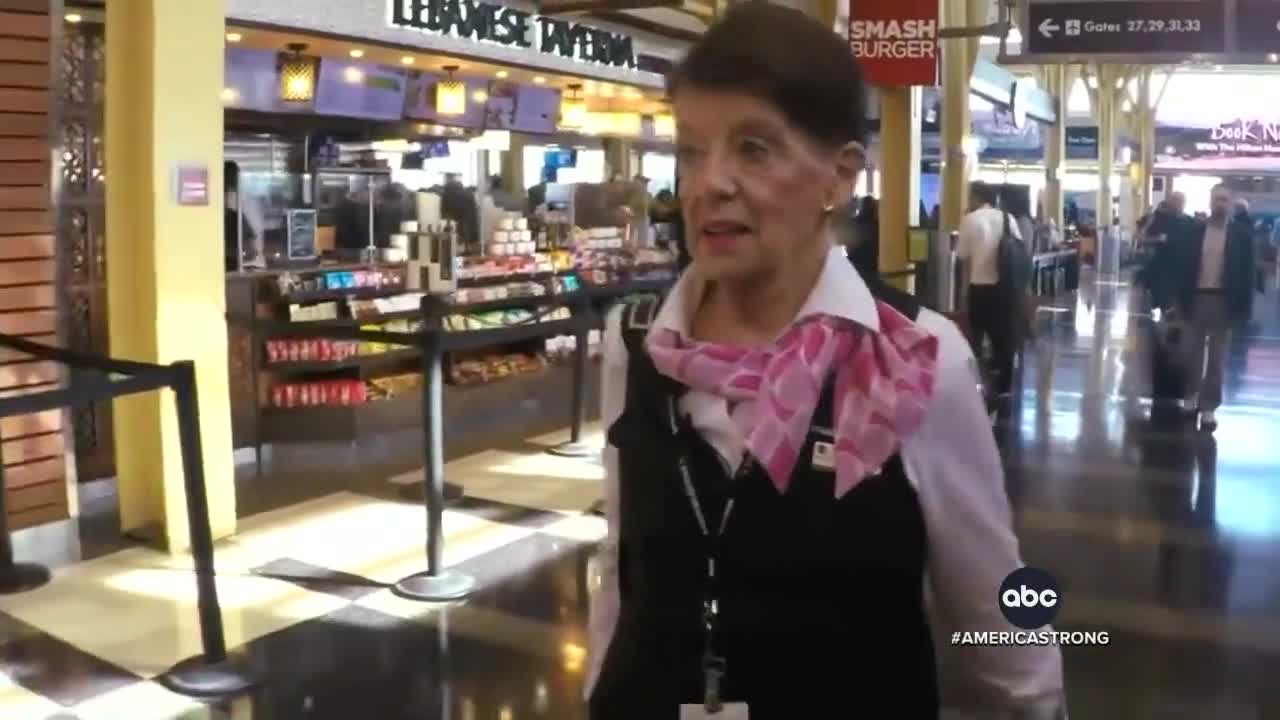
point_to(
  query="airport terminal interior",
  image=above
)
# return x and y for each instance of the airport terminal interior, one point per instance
(380, 491)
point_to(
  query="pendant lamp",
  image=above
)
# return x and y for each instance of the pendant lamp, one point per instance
(451, 94)
(297, 74)
(573, 108)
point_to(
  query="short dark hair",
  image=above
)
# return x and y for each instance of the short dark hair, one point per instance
(786, 58)
(984, 193)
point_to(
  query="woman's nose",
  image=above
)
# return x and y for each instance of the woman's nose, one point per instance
(719, 176)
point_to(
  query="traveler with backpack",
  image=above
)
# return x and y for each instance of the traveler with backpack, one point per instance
(998, 271)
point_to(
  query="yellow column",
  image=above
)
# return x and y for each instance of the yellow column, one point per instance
(1055, 144)
(958, 56)
(1146, 139)
(1106, 114)
(166, 295)
(899, 174)
(618, 159)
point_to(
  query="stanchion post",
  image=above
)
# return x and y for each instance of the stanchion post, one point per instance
(574, 447)
(14, 577)
(213, 674)
(438, 583)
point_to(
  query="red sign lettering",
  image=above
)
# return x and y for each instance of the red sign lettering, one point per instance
(896, 43)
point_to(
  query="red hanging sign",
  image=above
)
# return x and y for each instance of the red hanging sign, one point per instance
(895, 43)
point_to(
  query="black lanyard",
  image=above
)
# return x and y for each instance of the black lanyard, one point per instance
(714, 665)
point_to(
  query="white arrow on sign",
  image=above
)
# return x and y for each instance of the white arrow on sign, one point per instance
(1049, 27)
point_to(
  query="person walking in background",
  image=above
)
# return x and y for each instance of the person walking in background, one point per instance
(990, 312)
(1211, 273)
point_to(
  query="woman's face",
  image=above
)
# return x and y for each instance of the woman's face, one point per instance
(755, 190)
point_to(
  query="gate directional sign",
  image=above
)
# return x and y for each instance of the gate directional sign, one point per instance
(1127, 27)
(1258, 26)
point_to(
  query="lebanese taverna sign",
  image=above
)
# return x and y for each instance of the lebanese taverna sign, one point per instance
(506, 26)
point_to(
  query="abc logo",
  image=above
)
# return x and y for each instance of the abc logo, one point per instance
(1029, 598)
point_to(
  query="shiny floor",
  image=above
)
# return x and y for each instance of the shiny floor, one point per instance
(1167, 538)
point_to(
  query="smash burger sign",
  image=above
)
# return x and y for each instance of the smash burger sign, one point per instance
(895, 43)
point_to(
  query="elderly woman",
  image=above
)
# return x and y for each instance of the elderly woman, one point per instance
(802, 485)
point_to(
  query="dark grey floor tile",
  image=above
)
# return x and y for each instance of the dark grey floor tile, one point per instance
(59, 671)
(319, 579)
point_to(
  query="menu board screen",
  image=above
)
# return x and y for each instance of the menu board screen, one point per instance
(524, 109)
(252, 82)
(362, 90)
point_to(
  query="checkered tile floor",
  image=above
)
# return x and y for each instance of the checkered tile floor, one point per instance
(305, 602)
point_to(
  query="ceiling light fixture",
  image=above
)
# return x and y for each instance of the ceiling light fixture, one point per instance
(357, 53)
(451, 94)
(540, 80)
(297, 74)
(502, 74)
(573, 108)
(234, 37)
(407, 60)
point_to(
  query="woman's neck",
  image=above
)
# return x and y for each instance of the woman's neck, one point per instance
(756, 311)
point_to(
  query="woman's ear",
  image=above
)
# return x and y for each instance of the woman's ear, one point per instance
(850, 159)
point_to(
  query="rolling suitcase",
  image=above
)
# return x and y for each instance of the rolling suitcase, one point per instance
(1168, 376)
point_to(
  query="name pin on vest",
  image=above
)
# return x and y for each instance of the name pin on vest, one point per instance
(824, 456)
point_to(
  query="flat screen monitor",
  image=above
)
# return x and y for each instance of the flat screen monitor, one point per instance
(252, 82)
(361, 90)
(556, 158)
(522, 108)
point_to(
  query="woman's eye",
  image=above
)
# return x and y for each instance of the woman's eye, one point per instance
(688, 153)
(754, 150)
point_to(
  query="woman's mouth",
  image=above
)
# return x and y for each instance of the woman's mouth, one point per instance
(723, 236)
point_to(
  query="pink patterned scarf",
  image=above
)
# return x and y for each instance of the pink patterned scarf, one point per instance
(883, 384)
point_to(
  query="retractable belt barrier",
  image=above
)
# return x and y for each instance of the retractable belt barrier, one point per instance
(439, 583)
(94, 378)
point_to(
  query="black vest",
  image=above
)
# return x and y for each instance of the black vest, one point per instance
(821, 600)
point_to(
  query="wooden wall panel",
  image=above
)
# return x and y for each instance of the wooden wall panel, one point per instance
(24, 172)
(39, 7)
(24, 198)
(27, 297)
(7, 355)
(17, 426)
(26, 273)
(19, 125)
(26, 247)
(24, 99)
(32, 51)
(34, 446)
(24, 75)
(24, 25)
(38, 516)
(24, 148)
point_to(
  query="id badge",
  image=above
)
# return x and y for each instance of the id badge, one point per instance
(728, 711)
(824, 456)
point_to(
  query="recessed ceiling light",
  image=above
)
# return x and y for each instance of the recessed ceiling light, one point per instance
(407, 60)
(501, 74)
(540, 80)
(357, 53)
(234, 37)
(74, 17)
